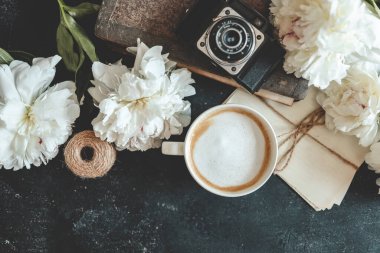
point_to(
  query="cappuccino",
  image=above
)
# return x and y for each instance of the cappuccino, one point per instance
(230, 150)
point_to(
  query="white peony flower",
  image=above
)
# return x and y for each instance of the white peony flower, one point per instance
(373, 160)
(354, 106)
(324, 37)
(141, 106)
(34, 118)
(373, 157)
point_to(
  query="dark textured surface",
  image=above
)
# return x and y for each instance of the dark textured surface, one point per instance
(149, 202)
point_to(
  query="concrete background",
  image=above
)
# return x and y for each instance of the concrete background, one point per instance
(149, 202)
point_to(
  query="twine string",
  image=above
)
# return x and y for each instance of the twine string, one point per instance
(315, 118)
(102, 160)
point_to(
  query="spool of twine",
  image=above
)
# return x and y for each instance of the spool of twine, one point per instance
(102, 160)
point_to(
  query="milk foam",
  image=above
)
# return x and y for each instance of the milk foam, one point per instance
(231, 150)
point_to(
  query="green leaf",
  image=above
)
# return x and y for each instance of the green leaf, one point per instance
(375, 6)
(377, 9)
(82, 9)
(5, 57)
(82, 57)
(22, 56)
(65, 46)
(82, 78)
(80, 36)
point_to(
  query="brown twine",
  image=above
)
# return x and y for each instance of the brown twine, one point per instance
(103, 158)
(315, 118)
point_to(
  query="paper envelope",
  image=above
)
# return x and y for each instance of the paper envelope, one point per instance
(324, 162)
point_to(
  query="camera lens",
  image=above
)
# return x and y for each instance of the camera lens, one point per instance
(230, 40)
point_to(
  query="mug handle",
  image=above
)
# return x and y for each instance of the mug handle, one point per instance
(173, 148)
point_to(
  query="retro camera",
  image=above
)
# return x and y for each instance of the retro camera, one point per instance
(235, 37)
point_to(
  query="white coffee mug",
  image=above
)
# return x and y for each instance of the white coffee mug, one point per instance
(217, 150)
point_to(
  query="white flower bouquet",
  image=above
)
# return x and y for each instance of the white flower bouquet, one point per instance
(138, 107)
(353, 106)
(34, 118)
(324, 38)
(141, 106)
(335, 44)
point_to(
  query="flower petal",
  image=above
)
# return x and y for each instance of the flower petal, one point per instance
(373, 158)
(12, 114)
(31, 81)
(8, 89)
(109, 74)
(152, 63)
(140, 51)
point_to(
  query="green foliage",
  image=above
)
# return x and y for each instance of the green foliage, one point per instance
(74, 45)
(22, 56)
(67, 49)
(375, 4)
(5, 57)
(82, 10)
(72, 41)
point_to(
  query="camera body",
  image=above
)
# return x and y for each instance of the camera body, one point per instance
(235, 37)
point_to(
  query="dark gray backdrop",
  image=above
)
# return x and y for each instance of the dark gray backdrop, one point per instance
(149, 202)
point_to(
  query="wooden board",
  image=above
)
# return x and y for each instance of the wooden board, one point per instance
(123, 21)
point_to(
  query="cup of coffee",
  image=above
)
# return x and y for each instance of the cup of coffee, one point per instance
(230, 150)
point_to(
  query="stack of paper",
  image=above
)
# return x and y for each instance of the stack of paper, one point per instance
(324, 162)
